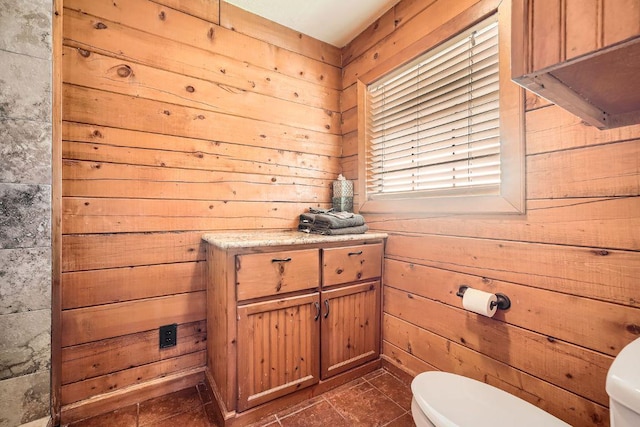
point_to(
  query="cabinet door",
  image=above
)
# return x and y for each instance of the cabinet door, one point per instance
(350, 327)
(278, 348)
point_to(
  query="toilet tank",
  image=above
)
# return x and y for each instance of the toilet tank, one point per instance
(623, 387)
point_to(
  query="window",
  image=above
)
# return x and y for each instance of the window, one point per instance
(443, 133)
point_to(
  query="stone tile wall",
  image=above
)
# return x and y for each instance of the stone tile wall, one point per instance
(25, 210)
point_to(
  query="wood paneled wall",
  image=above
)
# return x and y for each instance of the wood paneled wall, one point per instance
(571, 264)
(179, 117)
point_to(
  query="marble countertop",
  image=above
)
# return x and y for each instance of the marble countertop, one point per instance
(247, 239)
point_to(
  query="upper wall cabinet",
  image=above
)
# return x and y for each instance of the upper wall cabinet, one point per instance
(583, 55)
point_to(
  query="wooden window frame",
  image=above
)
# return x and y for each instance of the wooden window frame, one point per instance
(511, 199)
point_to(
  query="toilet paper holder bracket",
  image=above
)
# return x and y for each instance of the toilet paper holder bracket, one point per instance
(503, 302)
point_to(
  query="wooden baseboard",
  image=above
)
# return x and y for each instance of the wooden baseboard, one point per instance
(111, 401)
(236, 419)
(402, 374)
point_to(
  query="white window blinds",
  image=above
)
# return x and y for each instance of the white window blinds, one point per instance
(433, 126)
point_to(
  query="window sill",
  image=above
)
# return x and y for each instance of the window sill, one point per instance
(514, 204)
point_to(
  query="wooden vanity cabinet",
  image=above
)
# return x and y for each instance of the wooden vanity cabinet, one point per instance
(283, 319)
(582, 55)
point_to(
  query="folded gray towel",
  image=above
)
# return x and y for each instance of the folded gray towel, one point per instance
(307, 218)
(360, 229)
(333, 222)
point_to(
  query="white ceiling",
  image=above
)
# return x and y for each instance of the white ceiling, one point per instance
(336, 22)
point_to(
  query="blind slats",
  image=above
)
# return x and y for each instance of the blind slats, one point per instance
(434, 125)
(438, 77)
(438, 98)
(437, 122)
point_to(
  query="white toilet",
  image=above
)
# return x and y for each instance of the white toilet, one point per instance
(623, 387)
(443, 399)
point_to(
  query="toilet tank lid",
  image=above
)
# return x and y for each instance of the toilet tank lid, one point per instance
(623, 378)
(453, 400)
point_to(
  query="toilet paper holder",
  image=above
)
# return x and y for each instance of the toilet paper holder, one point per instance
(503, 302)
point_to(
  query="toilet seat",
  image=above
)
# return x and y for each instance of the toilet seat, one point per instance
(451, 400)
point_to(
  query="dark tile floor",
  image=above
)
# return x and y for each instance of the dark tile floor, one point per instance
(377, 399)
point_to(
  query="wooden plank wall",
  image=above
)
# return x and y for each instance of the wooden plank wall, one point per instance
(571, 265)
(180, 117)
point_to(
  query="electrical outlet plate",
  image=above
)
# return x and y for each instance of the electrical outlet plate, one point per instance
(168, 335)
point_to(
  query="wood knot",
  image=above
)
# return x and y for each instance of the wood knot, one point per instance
(211, 34)
(601, 252)
(166, 112)
(100, 26)
(124, 71)
(375, 55)
(96, 134)
(633, 329)
(200, 117)
(223, 71)
(274, 179)
(162, 16)
(190, 89)
(84, 53)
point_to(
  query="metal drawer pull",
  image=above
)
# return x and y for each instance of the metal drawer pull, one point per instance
(317, 304)
(355, 253)
(281, 260)
(326, 304)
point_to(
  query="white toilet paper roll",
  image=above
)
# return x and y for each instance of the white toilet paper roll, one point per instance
(479, 302)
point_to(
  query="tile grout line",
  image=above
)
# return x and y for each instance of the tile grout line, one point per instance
(295, 412)
(334, 408)
(385, 394)
(398, 417)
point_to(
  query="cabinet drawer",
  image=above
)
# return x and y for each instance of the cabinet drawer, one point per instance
(352, 263)
(274, 273)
